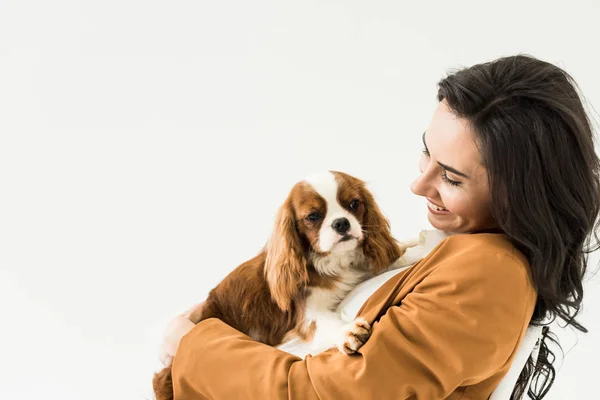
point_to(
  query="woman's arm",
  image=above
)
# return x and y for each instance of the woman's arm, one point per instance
(458, 326)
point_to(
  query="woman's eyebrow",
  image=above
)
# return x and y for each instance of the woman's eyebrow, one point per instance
(454, 171)
(446, 167)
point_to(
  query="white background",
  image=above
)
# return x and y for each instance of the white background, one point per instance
(146, 146)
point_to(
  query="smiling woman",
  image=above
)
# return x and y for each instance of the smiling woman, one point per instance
(518, 127)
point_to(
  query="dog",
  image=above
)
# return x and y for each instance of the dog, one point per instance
(329, 236)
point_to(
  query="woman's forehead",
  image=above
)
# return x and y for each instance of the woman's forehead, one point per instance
(450, 141)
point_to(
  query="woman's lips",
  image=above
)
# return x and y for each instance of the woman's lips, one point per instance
(436, 209)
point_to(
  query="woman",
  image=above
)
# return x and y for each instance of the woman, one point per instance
(508, 166)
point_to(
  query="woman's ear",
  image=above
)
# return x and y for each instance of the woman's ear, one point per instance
(285, 265)
(379, 246)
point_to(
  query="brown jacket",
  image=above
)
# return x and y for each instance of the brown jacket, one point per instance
(446, 328)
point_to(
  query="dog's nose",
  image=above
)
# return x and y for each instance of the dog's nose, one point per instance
(341, 225)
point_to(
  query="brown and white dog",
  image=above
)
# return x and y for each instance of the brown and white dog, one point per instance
(329, 236)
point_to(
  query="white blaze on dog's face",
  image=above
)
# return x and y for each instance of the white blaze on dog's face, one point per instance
(337, 221)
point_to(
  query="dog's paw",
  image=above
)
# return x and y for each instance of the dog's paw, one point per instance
(355, 335)
(422, 238)
(414, 242)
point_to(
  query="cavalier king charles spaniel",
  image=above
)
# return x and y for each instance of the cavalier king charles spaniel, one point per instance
(329, 236)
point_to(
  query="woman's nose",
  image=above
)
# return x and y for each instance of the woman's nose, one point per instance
(424, 185)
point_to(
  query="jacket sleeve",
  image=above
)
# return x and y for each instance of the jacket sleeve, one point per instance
(457, 327)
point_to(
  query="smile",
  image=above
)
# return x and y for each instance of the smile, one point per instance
(434, 208)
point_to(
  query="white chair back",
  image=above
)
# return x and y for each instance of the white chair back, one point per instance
(530, 345)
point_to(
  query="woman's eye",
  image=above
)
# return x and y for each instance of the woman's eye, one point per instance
(426, 152)
(448, 180)
(354, 204)
(313, 217)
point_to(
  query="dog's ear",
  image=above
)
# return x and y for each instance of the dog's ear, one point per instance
(285, 265)
(379, 246)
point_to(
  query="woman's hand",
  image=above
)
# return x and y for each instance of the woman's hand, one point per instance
(176, 329)
(194, 314)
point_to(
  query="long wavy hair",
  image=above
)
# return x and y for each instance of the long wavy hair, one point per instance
(537, 144)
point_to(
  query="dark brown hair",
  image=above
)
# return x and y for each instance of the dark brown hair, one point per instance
(537, 145)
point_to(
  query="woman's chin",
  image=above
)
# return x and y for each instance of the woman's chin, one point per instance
(441, 223)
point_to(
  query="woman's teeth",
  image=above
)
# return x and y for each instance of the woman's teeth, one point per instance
(436, 207)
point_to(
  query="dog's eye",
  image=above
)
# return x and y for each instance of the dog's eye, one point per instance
(313, 217)
(354, 204)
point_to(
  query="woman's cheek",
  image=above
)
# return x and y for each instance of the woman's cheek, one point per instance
(451, 200)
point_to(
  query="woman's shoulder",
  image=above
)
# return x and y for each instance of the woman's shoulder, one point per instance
(485, 268)
(480, 243)
(489, 254)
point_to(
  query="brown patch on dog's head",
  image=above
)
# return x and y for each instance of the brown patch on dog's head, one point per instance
(379, 246)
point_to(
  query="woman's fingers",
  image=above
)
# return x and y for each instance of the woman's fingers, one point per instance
(194, 313)
(164, 358)
(176, 329)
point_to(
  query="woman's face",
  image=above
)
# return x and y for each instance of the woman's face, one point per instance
(453, 178)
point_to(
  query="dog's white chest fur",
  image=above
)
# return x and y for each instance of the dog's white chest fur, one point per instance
(326, 300)
(347, 270)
